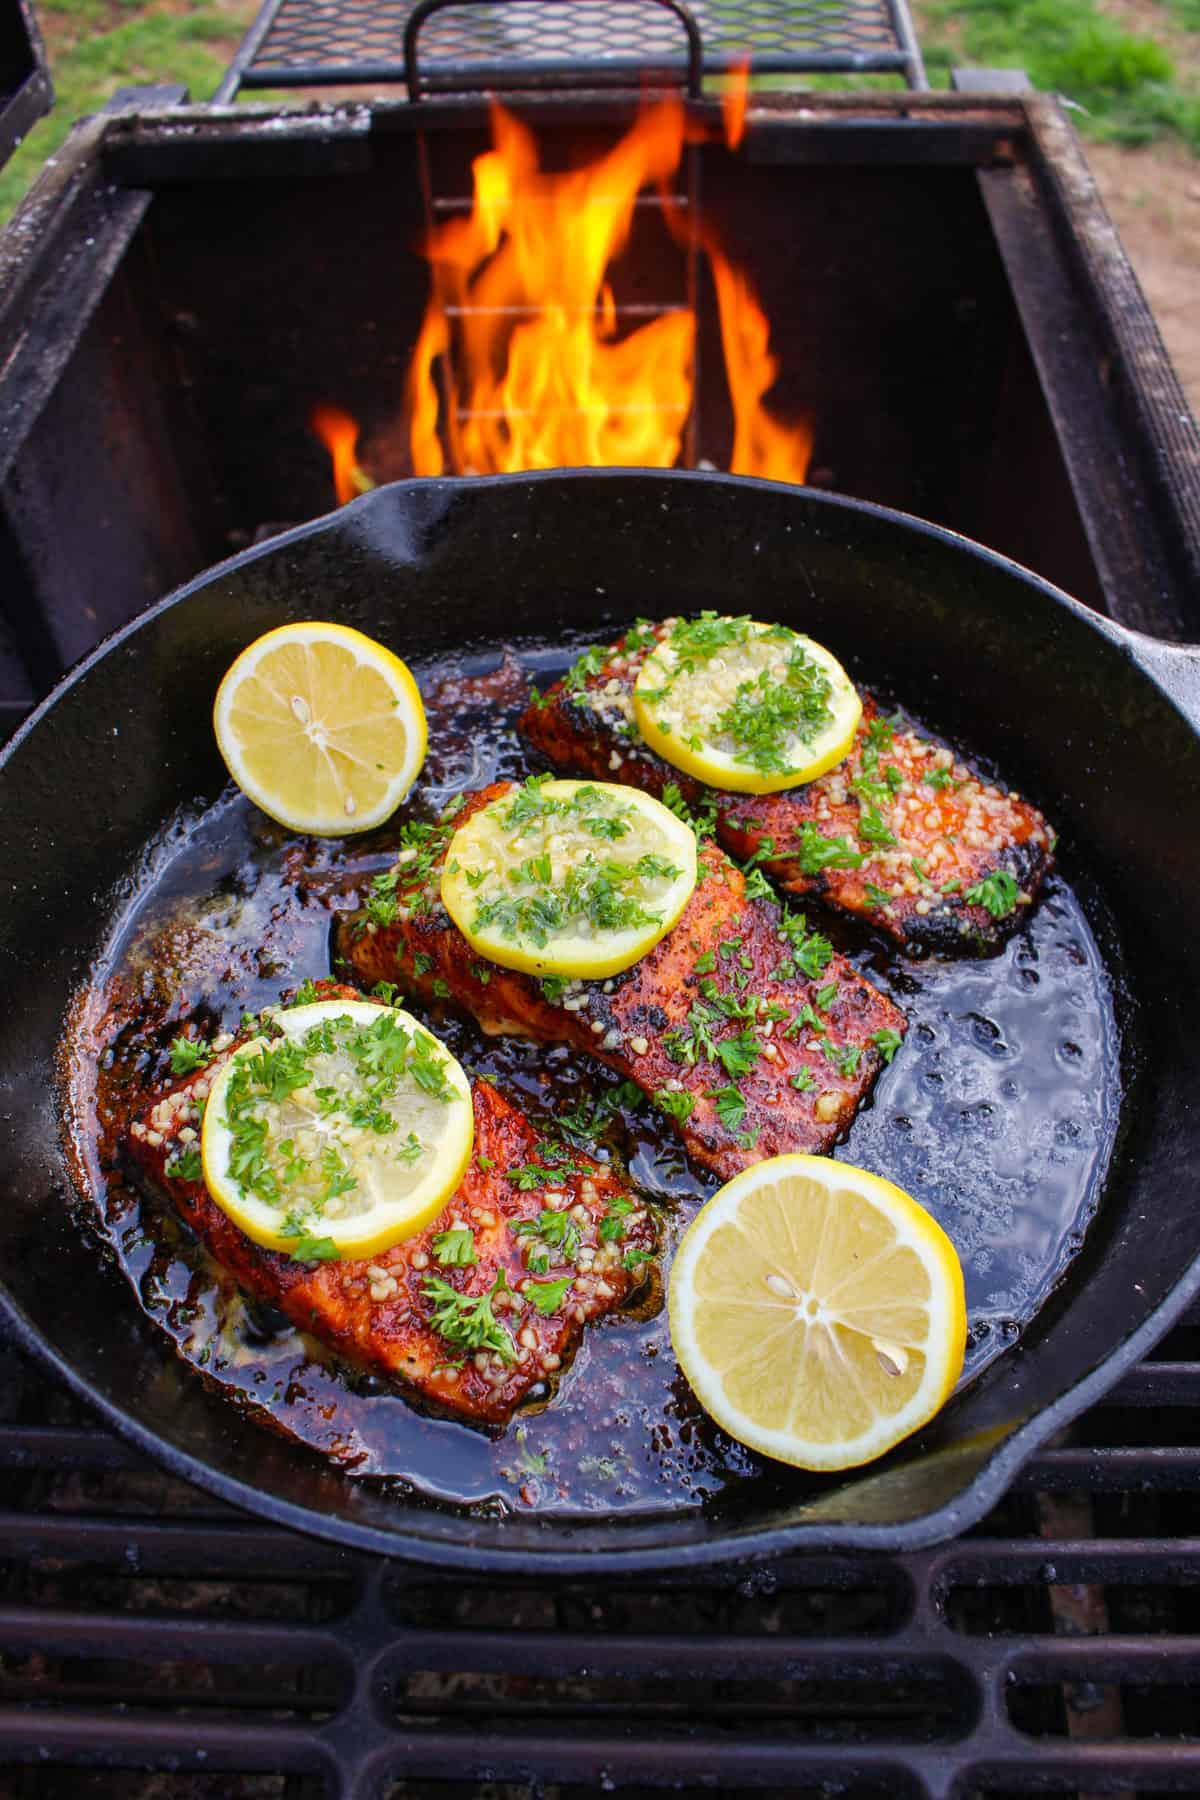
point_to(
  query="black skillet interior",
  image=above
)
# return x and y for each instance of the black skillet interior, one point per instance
(985, 653)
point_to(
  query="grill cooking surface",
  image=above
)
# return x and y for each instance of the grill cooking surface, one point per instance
(313, 42)
(145, 1627)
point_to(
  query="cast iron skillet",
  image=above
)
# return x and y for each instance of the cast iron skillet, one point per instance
(1100, 725)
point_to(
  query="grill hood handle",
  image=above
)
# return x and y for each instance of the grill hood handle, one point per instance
(495, 74)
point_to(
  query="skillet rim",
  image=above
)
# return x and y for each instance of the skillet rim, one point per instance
(1173, 670)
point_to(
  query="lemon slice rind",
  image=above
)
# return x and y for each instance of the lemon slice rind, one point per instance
(323, 728)
(667, 734)
(865, 1354)
(386, 1221)
(484, 842)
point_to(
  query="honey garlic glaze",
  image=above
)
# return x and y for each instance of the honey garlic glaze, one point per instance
(999, 1114)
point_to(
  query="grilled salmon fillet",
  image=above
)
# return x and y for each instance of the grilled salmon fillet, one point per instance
(538, 1215)
(901, 833)
(741, 1025)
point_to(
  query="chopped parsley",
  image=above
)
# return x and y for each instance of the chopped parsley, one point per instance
(998, 892)
(382, 907)
(534, 1462)
(844, 1060)
(675, 1103)
(802, 1081)
(690, 1043)
(739, 1054)
(816, 852)
(313, 1249)
(455, 1249)
(811, 952)
(550, 1173)
(468, 1321)
(873, 827)
(588, 1119)
(557, 1230)
(640, 636)
(188, 1055)
(887, 1042)
(730, 1103)
(757, 885)
(547, 1296)
(612, 1225)
(880, 737)
(583, 669)
(702, 819)
(186, 1165)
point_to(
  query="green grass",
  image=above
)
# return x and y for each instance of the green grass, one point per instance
(1126, 86)
(97, 46)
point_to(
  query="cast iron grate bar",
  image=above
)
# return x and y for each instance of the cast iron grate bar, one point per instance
(565, 43)
(155, 1645)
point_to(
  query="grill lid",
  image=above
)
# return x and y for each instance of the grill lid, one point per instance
(25, 89)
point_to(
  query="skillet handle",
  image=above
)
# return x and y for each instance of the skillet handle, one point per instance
(1175, 668)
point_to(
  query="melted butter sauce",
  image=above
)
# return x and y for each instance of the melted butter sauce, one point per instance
(999, 1114)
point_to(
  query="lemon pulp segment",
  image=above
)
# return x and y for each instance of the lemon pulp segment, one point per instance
(340, 1137)
(817, 1311)
(571, 878)
(322, 727)
(746, 706)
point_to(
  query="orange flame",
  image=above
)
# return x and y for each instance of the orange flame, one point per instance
(524, 359)
(339, 434)
(733, 102)
(522, 324)
(761, 445)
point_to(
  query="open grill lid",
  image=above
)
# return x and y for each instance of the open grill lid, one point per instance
(25, 89)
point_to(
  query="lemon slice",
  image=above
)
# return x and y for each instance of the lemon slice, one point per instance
(576, 878)
(346, 1134)
(817, 1312)
(322, 727)
(746, 706)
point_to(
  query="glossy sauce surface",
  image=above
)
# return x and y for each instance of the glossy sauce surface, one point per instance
(999, 1114)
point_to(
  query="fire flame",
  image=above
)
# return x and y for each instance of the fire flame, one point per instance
(339, 434)
(733, 102)
(523, 360)
(761, 445)
(522, 323)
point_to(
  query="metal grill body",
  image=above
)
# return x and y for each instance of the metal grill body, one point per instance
(144, 1628)
(577, 43)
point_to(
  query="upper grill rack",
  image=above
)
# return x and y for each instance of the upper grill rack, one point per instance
(145, 1627)
(565, 43)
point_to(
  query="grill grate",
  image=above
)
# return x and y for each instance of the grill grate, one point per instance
(565, 43)
(146, 1627)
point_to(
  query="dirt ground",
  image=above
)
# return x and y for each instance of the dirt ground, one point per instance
(1153, 196)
